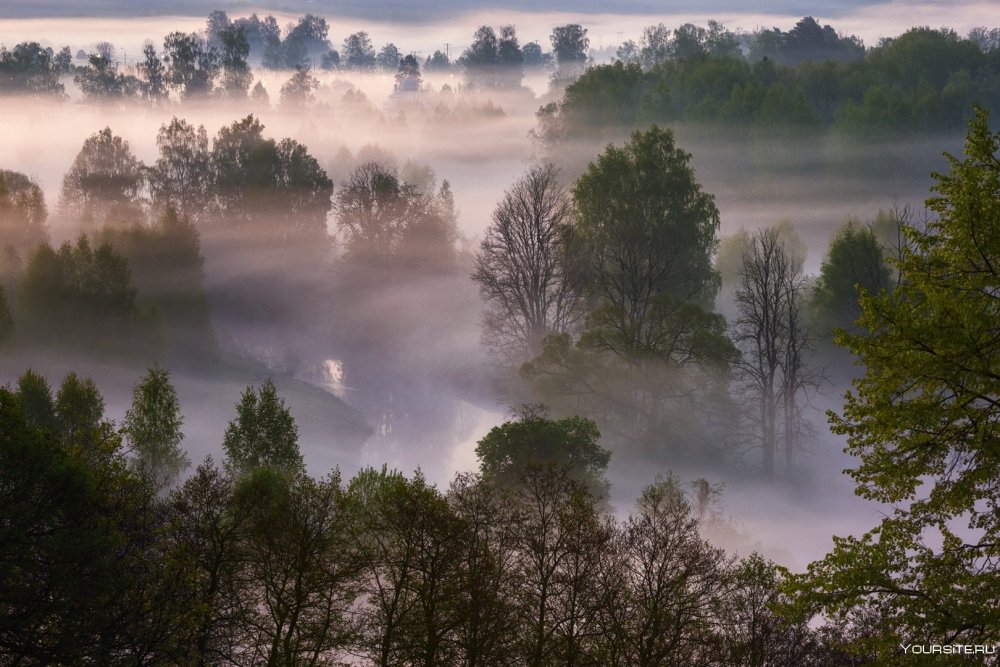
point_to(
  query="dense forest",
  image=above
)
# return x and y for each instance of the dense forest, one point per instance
(269, 306)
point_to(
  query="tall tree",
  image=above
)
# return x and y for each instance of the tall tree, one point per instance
(569, 46)
(923, 422)
(664, 584)
(358, 52)
(105, 182)
(263, 433)
(276, 189)
(155, 74)
(234, 50)
(855, 263)
(770, 333)
(35, 397)
(6, 320)
(644, 237)
(152, 426)
(522, 267)
(23, 212)
(182, 178)
(80, 414)
(192, 64)
(29, 68)
(388, 58)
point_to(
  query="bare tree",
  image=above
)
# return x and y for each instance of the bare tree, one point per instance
(771, 335)
(522, 270)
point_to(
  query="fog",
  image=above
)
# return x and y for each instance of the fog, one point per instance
(400, 376)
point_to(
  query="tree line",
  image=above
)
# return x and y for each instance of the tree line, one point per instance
(138, 267)
(922, 81)
(108, 558)
(219, 61)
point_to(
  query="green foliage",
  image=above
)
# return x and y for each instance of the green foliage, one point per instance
(533, 440)
(96, 567)
(35, 397)
(82, 576)
(642, 246)
(922, 421)
(168, 276)
(29, 68)
(100, 79)
(152, 426)
(182, 176)
(276, 189)
(263, 433)
(90, 288)
(387, 221)
(105, 181)
(646, 232)
(22, 212)
(79, 412)
(920, 82)
(855, 264)
(192, 66)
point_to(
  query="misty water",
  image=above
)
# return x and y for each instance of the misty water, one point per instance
(420, 395)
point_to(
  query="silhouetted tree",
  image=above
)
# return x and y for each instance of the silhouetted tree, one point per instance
(182, 177)
(105, 182)
(388, 58)
(192, 65)
(155, 74)
(35, 398)
(234, 50)
(29, 68)
(358, 52)
(522, 267)
(22, 213)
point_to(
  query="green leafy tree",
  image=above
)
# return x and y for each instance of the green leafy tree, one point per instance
(358, 52)
(234, 52)
(105, 182)
(534, 441)
(409, 541)
(90, 287)
(152, 426)
(263, 433)
(152, 70)
(275, 188)
(294, 532)
(855, 264)
(643, 240)
(29, 68)
(80, 413)
(569, 47)
(22, 213)
(664, 581)
(101, 79)
(922, 421)
(182, 175)
(192, 65)
(35, 396)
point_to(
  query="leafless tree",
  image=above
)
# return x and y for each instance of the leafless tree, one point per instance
(771, 334)
(522, 270)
